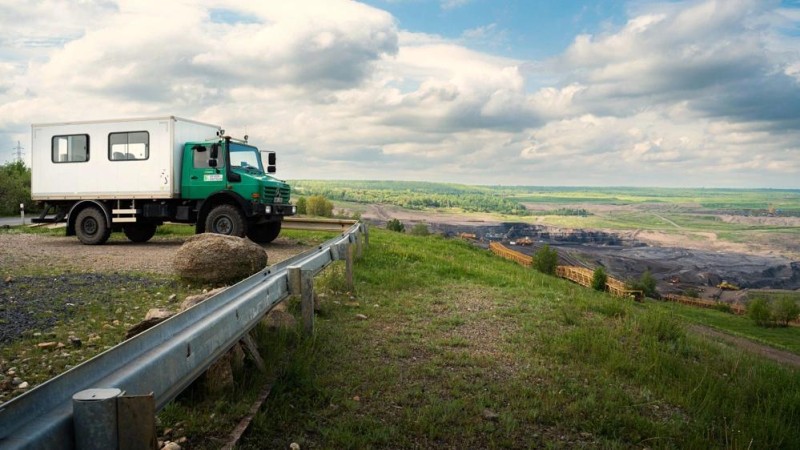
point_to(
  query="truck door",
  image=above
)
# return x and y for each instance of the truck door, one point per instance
(200, 179)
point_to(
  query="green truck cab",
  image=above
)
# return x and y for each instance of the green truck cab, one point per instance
(237, 193)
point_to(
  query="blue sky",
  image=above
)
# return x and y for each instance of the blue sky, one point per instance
(518, 29)
(638, 92)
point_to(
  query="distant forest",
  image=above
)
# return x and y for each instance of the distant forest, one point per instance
(413, 195)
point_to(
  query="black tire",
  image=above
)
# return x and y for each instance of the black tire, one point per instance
(226, 219)
(264, 233)
(91, 227)
(139, 232)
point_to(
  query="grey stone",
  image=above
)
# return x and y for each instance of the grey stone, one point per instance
(216, 258)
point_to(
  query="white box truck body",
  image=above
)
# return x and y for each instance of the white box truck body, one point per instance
(132, 175)
(111, 159)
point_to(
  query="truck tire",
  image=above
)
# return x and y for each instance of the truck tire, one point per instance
(264, 233)
(91, 227)
(226, 219)
(139, 232)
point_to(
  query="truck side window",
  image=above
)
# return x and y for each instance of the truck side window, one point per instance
(134, 145)
(73, 148)
(200, 159)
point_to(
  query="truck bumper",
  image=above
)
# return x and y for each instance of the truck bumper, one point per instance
(274, 210)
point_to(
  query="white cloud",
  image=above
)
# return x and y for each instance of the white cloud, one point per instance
(689, 93)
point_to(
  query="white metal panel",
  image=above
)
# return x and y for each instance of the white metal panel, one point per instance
(156, 177)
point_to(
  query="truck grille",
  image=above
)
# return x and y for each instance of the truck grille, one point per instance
(271, 191)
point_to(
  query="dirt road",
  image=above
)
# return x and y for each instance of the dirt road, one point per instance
(748, 345)
(31, 251)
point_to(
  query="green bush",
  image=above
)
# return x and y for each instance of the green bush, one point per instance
(546, 260)
(784, 310)
(599, 279)
(395, 225)
(758, 310)
(420, 229)
(15, 188)
(302, 205)
(646, 283)
(318, 205)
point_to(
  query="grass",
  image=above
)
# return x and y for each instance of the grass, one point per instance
(787, 338)
(463, 350)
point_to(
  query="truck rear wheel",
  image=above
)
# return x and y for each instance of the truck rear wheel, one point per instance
(91, 227)
(264, 233)
(226, 219)
(139, 232)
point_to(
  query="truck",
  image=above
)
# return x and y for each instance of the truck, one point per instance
(132, 175)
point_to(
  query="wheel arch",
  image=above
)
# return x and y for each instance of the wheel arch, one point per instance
(80, 206)
(216, 199)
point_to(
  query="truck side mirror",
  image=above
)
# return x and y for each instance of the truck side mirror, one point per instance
(212, 162)
(271, 169)
(214, 152)
(271, 159)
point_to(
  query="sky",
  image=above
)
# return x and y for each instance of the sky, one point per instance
(700, 93)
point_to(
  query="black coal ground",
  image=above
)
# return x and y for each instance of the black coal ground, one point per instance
(36, 303)
(677, 269)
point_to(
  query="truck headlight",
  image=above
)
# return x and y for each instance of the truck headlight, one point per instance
(294, 209)
(268, 209)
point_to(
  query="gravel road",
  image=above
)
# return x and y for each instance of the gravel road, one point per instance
(31, 251)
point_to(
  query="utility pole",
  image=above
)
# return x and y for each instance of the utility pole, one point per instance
(19, 149)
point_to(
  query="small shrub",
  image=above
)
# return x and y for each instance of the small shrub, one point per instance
(302, 205)
(784, 310)
(395, 225)
(319, 206)
(724, 307)
(758, 310)
(646, 283)
(546, 260)
(692, 292)
(599, 279)
(420, 229)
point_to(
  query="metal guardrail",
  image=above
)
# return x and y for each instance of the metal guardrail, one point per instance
(164, 359)
(316, 224)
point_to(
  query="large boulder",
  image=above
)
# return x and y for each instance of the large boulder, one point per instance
(216, 258)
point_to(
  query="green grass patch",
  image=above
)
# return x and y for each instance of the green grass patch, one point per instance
(786, 338)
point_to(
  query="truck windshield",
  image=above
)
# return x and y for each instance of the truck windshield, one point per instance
(246, 157)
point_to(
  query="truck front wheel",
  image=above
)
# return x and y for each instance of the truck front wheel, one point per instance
(139, 232)
(90, 226)
(226, 219)
(264, 233)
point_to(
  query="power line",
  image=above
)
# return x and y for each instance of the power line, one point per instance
(19, 151)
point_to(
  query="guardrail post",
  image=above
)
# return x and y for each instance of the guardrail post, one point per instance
(358, 245)
(307, 300)
(94, 413)
(348, 267)
(365, 230)
(293, 273)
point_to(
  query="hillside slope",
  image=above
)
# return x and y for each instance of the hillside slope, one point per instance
(460, 349)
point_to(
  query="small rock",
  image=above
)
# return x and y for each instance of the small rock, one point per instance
(23, 385)
(9, 280)
(158, 313)
(37, 334)
(361, 317)
(488, 414)
(171, 446)
(116, 323)
(172, 297)
(195, 299)
(294, 446)
(76, 342)
(16, 381)
(182, 440)
(47, 345)
(356, 398)
(60, 345)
